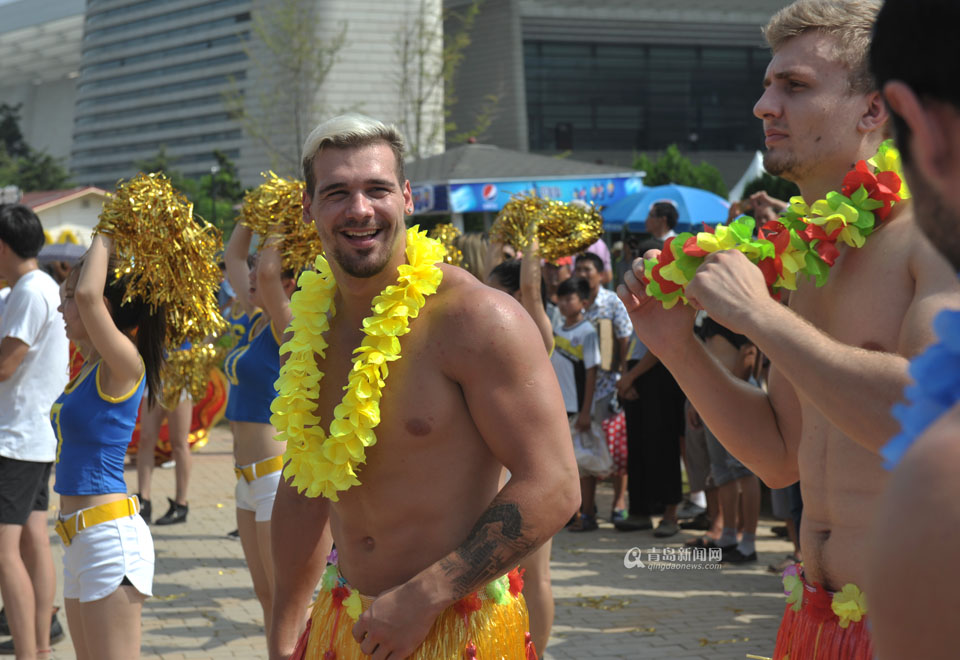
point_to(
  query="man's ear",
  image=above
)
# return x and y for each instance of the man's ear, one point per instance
(929, 144)
(876, 115)
(306, 207)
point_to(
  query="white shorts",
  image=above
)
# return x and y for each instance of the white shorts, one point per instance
(99, 557)
(258, 495)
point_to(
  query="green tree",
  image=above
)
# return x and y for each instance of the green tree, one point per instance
(215, 196)
(11, 138)
(20, 164)
(429, 59)
(673, 167)
(291, 57)
(775, 186)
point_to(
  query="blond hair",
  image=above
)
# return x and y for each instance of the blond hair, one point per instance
(849, 22)
(350, 131)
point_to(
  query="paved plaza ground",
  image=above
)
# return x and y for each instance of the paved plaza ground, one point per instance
(204, 606)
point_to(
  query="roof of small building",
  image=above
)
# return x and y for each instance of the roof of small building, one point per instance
(475, 162)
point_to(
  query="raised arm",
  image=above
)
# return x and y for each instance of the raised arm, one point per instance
(515, 401)
(119, 353)
(235, 259)
(765, 431)
(530, 290)
(300, 540)
(270, 283)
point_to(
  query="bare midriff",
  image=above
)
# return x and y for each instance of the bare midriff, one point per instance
(863, 305)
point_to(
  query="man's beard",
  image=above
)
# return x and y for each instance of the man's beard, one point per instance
(940, 223)
(785, 165)
(368, 265)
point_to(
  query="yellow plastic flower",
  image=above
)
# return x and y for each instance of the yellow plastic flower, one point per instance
(353, 605)
(849, 604)
(326, 463)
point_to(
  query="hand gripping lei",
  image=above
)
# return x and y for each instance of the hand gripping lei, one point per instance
(326, 464)
(802, 241)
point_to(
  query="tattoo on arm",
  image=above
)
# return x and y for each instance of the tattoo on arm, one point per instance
(495, 544)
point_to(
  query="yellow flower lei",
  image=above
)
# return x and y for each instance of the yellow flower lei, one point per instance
(322, 464)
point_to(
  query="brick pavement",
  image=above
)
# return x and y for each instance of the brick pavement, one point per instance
(204, 607)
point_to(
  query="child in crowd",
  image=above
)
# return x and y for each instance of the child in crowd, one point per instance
(575, 358)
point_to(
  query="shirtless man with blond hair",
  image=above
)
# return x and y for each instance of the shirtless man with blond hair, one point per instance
(426, 527)
(840, 352)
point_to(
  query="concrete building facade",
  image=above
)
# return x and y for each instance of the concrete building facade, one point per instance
(607, 79)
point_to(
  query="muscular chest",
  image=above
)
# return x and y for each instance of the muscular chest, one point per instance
(865, 298)
(421, 410)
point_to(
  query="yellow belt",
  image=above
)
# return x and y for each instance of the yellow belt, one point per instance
(76, 523)
(260, 468)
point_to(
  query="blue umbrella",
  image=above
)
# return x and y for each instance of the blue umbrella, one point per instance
(693, 205)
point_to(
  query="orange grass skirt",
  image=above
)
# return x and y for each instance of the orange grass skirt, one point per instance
(498, 632)
(814, 633)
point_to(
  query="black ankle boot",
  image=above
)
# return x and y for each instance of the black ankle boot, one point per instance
(145, 509)
(177, 513)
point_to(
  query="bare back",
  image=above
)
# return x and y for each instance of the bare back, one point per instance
(876, 300)
(431, 474)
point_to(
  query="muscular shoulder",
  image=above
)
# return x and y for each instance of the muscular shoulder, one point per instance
(472, 319)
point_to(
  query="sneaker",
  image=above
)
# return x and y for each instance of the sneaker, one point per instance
(235, 534)
(701, 523)
(618, 514)
(666, 528)
(145, 509)
(688, 510)
(177, 513)
(166, 465)
(634, 524)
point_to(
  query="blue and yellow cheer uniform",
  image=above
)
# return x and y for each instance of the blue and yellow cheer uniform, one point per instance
(93, 430)
(252, 368)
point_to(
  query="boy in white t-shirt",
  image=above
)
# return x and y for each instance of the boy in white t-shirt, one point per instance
(33, 372)
(575, 358)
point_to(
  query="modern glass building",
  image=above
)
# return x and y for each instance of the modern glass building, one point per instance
(153, 74)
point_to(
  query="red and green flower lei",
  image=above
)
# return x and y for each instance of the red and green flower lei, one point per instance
(802, 241)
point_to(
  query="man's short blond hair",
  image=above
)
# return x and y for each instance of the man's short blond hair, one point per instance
(849, 22)
(350, 131)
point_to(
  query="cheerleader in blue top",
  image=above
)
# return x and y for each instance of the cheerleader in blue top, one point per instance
(263, 292)
(109, 559)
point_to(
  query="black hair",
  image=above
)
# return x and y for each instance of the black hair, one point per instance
(575, 285)
(20, 228)
(711, 328)
(507, 275)
(149, 324)
(914, 42)
(592, 258)
(667, 211)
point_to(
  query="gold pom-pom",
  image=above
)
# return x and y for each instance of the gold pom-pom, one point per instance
(166, 254)
(561, 229)
(447, 234)
(276, 206)
(189, 370)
